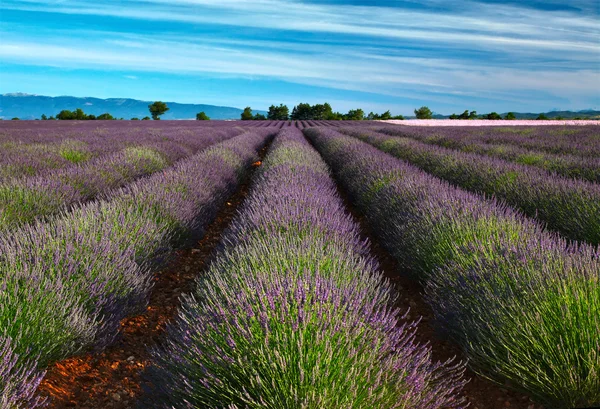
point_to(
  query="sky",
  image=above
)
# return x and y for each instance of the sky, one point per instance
(515, 55)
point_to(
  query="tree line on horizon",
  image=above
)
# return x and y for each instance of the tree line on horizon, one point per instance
(317, 112)
(156, 109)
(302, 111)
(425, 113)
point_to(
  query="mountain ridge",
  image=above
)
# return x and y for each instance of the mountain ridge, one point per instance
(32, 106)
(583, 114)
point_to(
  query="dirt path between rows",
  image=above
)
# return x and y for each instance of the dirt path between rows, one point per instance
(112, 379)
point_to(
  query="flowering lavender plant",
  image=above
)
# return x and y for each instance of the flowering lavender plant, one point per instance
(29, 148)
(523, 304)
(532, 149)
(24, 200)
(17, 383)
(293, 313)
(571, 207)
(66, 283)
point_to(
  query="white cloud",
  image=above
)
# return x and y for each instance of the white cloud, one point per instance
(480, 25)
(396, 77)
(493, 51)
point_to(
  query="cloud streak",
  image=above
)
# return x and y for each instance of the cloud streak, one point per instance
(484, 26)
(486, 51)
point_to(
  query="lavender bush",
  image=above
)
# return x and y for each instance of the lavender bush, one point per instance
(293, 313)
(24, 200)
(523, 304)
(581, 164)
(29, 148)
(571, 207)
(17, 384)
(554, 140)
(66, 283)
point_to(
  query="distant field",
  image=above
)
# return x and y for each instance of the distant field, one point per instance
(482, 122)
(175, 264)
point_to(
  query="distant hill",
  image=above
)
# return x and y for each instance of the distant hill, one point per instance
(27, 106)
(584, 114)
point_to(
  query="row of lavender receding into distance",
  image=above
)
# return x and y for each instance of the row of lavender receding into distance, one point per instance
(293, 312)
(573, 140)
(484, 123)
(67, 283)
(523, 304)
(29, 148)
(584, 144)
(26, 199)
(569, 206)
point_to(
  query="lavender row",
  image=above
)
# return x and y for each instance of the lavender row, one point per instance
(568, 165)
(67, 283)
(581, 141)
(29, 151)
(293, 312)
(30, 132)
(571, 207)
(523, 304)
(22, 201)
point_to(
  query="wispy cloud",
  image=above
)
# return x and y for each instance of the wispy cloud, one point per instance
(481, 24)
(480, 50)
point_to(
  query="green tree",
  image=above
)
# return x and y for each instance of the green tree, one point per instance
(135, 119)
(302, 111)
(65, 115)
(386, 115)
(400, 117)
(157, 108)
(464, 115)
(279, 113)
(259, 117)
(44, 117)
(355, 115)
(473, 115)
(423, 113)
(542, 117)
(106, 117)
(15, 119)
(79, 115)
(493, 116)
(321, 112)
(453, 116)
(201, 116)
(247, 114)
(510, 116)
(146, 118)
(374, 117)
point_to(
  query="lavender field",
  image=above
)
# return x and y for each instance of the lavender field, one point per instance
(356, 264)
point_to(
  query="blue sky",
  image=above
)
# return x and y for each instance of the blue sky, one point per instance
(451, 56)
